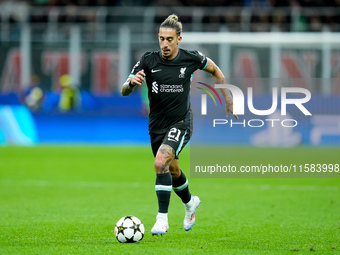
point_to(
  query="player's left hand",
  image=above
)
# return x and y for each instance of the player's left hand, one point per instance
(229, 108)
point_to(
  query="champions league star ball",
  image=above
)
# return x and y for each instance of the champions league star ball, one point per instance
(129, 229)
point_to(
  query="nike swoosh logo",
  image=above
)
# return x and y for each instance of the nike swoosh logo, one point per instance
(155, 71)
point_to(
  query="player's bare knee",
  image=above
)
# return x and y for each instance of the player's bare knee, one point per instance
(161, 166)
(164, 157)
(158, 165)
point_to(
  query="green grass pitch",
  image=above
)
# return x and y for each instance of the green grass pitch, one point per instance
(67, 199)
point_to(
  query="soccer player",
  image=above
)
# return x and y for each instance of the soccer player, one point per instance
(168, 74)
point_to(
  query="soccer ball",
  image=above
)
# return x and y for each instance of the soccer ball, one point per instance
(129, 229)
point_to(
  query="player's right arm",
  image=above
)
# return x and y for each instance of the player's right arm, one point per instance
(132, 82)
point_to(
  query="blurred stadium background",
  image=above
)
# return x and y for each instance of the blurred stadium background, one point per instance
(62, 63)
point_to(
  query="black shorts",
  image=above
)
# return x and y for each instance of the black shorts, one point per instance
(177, 137)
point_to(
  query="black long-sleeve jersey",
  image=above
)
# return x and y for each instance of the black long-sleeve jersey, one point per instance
(168, 83)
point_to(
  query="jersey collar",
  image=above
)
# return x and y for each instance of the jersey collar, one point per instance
(169, 61)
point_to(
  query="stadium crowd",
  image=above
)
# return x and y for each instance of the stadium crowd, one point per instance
(260, 15)
(254, 3)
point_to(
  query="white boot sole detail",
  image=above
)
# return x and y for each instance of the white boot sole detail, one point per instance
(191, 223)
(158, 230)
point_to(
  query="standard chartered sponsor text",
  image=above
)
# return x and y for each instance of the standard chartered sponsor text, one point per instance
(171, 88)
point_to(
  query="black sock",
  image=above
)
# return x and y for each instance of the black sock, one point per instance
(181, 188)
(163, 190)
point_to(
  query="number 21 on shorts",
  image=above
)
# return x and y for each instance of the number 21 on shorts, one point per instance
(174, 134)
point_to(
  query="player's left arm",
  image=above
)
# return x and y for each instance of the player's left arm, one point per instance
(219, 78)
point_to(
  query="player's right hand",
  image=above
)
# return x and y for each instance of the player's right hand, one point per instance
(138, 79)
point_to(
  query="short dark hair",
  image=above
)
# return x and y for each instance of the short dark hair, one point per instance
(172, 22)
